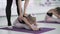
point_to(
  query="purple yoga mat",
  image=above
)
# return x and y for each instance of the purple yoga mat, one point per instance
(48, 22)
(41, 30)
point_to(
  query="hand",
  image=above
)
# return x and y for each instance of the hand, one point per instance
(20, 17)
(34, 27)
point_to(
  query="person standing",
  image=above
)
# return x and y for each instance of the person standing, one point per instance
(8, 11)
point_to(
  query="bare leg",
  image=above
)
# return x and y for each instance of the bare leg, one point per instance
(51, 19)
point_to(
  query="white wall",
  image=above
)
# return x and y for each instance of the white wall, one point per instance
(3, 6)
(35, 6)
(42, 6)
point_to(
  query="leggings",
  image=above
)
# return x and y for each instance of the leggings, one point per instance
(8, 10)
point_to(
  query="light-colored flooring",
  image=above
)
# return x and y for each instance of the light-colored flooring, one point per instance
(3, 23)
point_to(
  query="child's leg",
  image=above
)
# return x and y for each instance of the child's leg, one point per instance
(32, 26)
(57, 20)
(17, 24)
(26, 26)
(20, 25)
(49, 19)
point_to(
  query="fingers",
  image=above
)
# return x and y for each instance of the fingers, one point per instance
(34, 27)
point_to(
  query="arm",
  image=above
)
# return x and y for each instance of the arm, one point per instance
(30, 25)
(20, 7)
(25, 5)
(26, 21)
